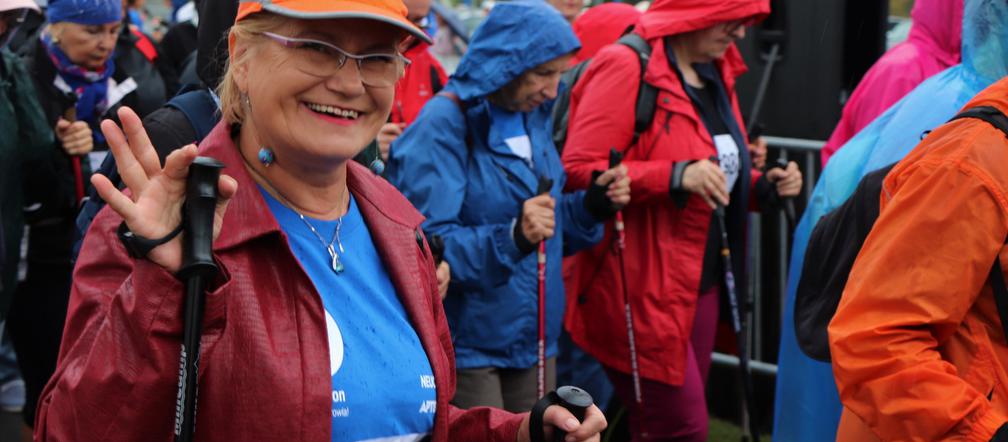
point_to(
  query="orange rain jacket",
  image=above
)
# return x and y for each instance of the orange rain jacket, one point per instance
(918, 349)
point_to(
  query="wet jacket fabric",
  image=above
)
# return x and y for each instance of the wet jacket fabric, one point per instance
(809, 407)
(264, 368)
(455, 167)
(932, 46)
(918, 348)
(666, 239)
(51, 208)
(417, 84)
(601, 25)
(25, 144)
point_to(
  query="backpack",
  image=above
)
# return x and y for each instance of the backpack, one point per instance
(647, 94)
(834, 245)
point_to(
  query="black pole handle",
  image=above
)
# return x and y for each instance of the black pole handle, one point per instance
(574, 399)
(789, 210)
(437, 248)
(198, 216)
(197, 269)
(756, 131)
(545, 185)
(615, 157)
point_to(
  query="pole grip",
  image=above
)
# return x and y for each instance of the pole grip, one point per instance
(615, 157)
(198, 217)
(789, 209)
(576, 401)
(545, 185)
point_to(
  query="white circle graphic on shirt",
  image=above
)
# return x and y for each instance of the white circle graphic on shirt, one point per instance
(335, 344)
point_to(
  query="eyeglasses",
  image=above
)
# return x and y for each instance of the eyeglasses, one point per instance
(731, 27)
(422, 22)
(322, 59)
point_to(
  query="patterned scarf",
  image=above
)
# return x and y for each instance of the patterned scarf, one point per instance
(90, 87)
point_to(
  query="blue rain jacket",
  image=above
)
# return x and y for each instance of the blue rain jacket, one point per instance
(457, 170)
(807, 403)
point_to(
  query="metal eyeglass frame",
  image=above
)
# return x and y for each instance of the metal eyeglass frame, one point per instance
(294, 43)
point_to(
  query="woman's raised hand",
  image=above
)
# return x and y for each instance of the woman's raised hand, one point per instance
(153, 207)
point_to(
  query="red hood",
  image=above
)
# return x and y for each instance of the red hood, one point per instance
(602, 25)
(670, 17)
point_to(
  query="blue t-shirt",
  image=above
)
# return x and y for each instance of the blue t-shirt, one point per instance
(382, 382)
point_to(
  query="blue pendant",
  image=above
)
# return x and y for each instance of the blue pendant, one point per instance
(337, 266)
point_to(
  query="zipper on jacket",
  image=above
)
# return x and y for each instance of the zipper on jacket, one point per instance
(510, 177)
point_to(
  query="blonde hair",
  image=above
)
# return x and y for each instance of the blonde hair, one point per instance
(247, 29)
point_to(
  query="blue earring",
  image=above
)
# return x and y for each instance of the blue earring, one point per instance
(266, 156)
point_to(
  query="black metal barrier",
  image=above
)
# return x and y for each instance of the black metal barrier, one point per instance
(769, 254)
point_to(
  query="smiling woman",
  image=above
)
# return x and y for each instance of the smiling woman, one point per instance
(326, 322)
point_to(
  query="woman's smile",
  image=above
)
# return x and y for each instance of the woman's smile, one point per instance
(332, 114)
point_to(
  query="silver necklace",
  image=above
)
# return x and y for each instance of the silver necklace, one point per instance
(337, 265)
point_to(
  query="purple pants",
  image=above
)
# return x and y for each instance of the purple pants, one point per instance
(675, 413)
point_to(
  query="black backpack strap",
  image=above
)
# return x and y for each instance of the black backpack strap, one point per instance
(996, 118)
(200, 109)
(561, 106)
(647, 94)
(990, 114)
(997, 283)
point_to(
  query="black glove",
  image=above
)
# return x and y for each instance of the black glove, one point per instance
(596, 202)
(524, 245)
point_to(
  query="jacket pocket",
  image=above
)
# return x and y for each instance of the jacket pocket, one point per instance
(984, 373)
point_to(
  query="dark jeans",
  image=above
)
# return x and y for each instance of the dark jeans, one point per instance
(39, 308)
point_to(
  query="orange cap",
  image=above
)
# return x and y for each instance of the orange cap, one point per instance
(392, 12)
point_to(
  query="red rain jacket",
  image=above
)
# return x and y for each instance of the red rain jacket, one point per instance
(415, 87)
(601, 25)
(264, 368)
(665, 244)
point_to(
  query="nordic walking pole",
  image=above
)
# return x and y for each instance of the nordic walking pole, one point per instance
(615, 158)
(743, 355)
(198, 267)
(75, 160)
(545, 184)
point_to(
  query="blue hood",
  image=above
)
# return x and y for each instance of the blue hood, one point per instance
(985, 41)
(515, 37)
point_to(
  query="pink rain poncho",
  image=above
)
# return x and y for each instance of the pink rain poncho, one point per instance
(933, 45)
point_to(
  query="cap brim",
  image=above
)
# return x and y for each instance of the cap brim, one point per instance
(314, 10)
(7, 5)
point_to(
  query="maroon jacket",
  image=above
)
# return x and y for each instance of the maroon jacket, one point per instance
(264, 369)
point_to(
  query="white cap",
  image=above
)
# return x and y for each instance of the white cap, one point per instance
(7, 5)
